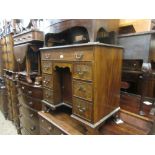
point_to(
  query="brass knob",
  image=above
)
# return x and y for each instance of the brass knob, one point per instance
(30, 92)
(32, 128)
(82, 89)
(50, 128)
(30, 103)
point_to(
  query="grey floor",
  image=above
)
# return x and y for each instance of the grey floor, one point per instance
(6, 126)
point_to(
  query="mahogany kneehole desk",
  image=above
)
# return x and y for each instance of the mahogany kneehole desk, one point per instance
(84, 77)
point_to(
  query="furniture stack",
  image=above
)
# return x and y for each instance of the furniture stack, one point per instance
(29, 90)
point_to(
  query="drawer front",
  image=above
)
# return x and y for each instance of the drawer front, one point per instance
(29, 126)
(69, 54)
(82, 71)
(48, 95)
(23, 38)
(82, 90)
(82, 109)
(31, 91)
(49, 128)
(47, 81)
(32, 103)
(29, 113)
(47, 67)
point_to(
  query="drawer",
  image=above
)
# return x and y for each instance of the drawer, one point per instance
(47, 67)
(47, 81)
(29, 36)
(29, 126)
(29, 113)
(49, 128)
(48, 95)
(31, 91)
(82, 109)
(82, 90)
(32, 103)
(83, 71)
(69, 54)
(23, 38)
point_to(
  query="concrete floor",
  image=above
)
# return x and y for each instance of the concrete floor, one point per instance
(6, 126)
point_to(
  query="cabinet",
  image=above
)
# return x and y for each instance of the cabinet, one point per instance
(84, 77)
(30, 98)
(26, 51)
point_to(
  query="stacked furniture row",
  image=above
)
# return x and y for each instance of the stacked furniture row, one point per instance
(29, 90)
(9, 73)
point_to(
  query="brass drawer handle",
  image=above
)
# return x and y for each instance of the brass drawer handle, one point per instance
(47, 95)
(79, 55)
(80, 72)
(47, 55)
(50, 128)
(46, 68)
(46, 82)
(29, 92)
(82, 110)
(30, 103)
(23, 87)
(82, 89)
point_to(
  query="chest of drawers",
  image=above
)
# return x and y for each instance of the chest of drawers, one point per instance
(59, 123)
(85, 77)
(30, 97)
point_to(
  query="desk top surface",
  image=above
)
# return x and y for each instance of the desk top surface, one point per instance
(81, 45)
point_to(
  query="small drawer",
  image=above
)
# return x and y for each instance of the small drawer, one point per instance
(47, 67)
(29, 113)
(32, 102)
(69, 54)
(82, 90)
(84, 54)
(48, 95)
(49, 128)
(47, 81)
(31, 91)
(82, 71)
(29, 125)
(82, 109)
